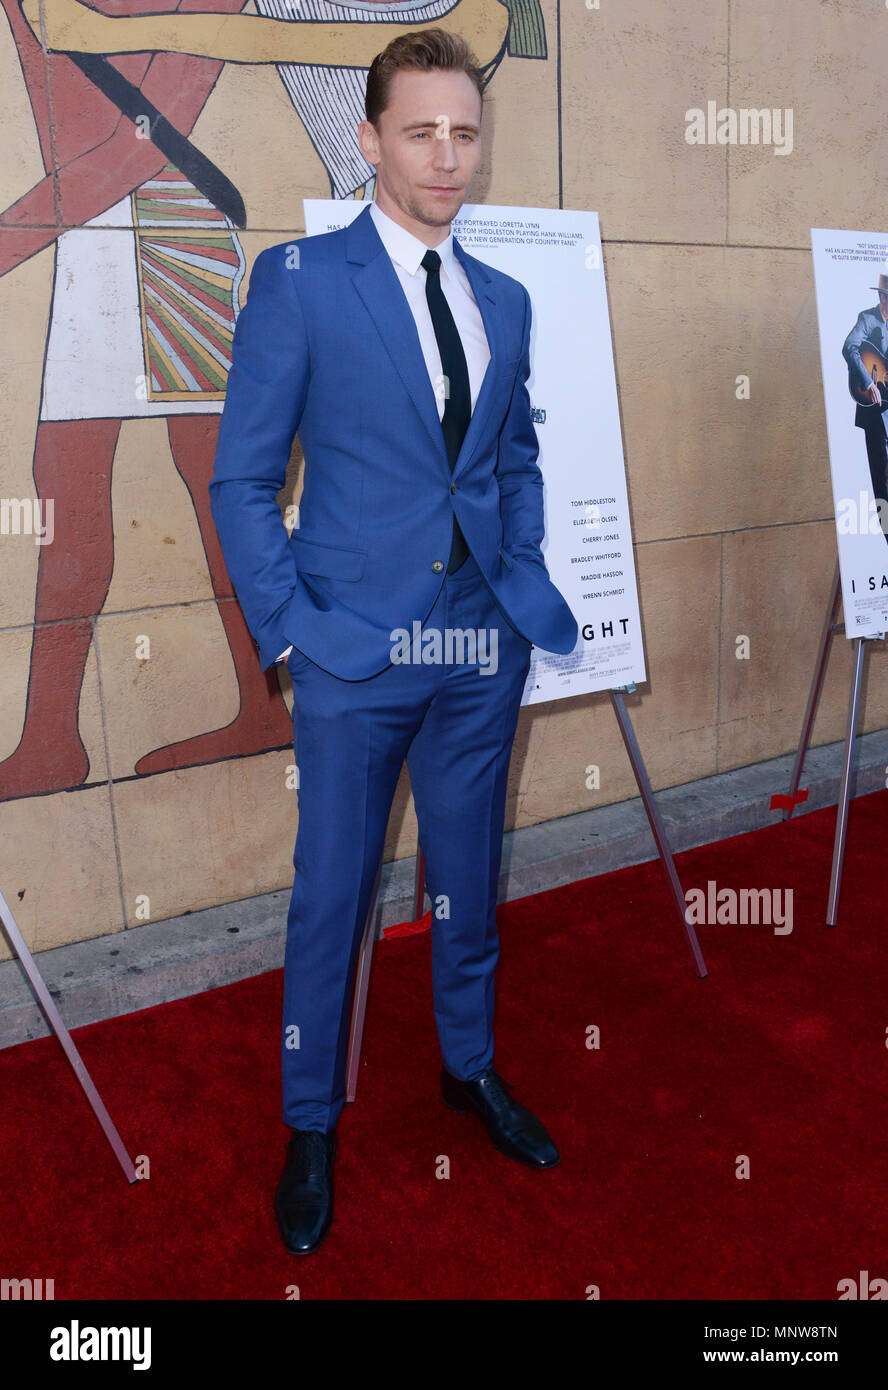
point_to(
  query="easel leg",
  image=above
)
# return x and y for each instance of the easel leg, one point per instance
(657, 827)
(54, 1019)
(829, 628)
(835, 882)
(359, 998)
(419, 885)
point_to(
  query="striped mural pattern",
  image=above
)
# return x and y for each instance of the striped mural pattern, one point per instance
(190, 265)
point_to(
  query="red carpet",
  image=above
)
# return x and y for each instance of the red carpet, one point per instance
(779, 1055)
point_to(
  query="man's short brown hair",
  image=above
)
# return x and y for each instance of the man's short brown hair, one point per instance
(419, 52)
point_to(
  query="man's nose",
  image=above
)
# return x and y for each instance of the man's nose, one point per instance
(445, 153)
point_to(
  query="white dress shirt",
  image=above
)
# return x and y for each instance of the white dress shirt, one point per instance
(406, 252)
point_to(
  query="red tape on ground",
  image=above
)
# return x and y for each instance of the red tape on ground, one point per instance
(409, 928)
(786, 803)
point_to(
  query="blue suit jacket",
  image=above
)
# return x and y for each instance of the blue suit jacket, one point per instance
(327, 345)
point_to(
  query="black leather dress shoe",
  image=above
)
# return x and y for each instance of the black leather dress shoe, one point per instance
(303, 1203)
(512, 1127)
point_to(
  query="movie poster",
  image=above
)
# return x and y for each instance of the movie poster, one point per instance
(556, 254)
(851, 276)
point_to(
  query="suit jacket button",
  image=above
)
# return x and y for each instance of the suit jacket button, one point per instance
(437, 566)
(453, 487)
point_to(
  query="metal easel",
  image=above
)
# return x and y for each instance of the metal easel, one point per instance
(362, 969)
(788, 803)
(54, 1019)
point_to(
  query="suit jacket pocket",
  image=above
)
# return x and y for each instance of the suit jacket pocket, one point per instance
(328, 561)
(296, 660)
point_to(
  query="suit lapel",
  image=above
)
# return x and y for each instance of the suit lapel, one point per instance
(485, 298)
(377, 283)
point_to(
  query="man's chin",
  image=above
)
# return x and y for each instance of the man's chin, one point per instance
(439, 212)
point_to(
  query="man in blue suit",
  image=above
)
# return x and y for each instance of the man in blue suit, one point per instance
(407, 600)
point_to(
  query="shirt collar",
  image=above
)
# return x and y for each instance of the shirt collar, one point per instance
(404, 247)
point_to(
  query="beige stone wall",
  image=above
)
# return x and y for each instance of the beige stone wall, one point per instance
(709, 277)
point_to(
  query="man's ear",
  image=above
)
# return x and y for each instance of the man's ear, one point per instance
(368, 139)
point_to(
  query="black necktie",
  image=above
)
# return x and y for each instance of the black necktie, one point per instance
(458, 401)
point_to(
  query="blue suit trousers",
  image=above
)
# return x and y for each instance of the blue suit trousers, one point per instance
(454, 723)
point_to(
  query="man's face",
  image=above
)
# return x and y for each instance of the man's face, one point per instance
(426, 149)
(883, 302)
